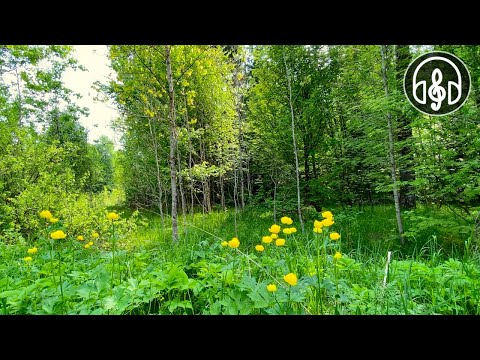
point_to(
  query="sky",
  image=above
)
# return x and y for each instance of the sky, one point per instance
(95, 60)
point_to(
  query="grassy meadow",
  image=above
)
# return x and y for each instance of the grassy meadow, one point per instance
(238, 262)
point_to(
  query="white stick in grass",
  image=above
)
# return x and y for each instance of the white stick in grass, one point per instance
(386, 269)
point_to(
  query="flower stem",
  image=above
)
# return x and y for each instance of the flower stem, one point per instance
(319, 294)
(51, 262)
(60, 277)
(113, 252)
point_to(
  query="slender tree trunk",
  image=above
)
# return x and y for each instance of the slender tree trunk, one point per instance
(190, 160)
(249, 180)
(222, 193)
(274, 197)
(235, 200)
(182, 194)
(158, 173)
(390, 147)
(19, 97)
(407, 198)
(297, 172)
(173, 143)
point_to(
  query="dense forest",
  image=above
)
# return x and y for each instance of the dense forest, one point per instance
(225, 150)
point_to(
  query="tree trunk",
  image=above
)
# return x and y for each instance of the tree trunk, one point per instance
(390, 147)
(173, 143)
(407, 198)
(222, 193)
(158, 174)
(182, 194)
(295, 150)
(190, 159)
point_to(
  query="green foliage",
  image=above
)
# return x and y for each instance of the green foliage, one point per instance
(200, 276)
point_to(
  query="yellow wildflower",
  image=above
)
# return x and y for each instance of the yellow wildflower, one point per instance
(286, 220)
(280, 242)
(45, 214)
(272, 287)
(337, 255)
(274, 236)
(95, 234)
(234, 243)
(334, 236)
(267, 239)
(317, 230)
(291, 279)
(327, 214)
(87, 246)
(53, 220)
(59, 234)
(33, 250)
(80, 238)
(274, 229)
(287, 231)
(328, 222)
(317, 224)
(113, 216)
(293, 230)
(90, 243)
(224, 243)
(259, 248)
(27, 259)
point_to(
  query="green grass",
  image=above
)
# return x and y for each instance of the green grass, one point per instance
(145, 273)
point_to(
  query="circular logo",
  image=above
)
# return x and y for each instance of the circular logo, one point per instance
(437, 83)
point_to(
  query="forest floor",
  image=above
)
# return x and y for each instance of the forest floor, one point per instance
(229, 262)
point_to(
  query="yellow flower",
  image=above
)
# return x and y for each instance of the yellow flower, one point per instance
(317, 230)
(45, 214)
(286, 220)
(272, 287)
(267, 239)
(327, 214)
(53, 220)
(328, 222)
(334, 236)
(274, 229)
(317, 224)
(95, 234)
(87, 246)
(33, 250)
(113, 216)
(59, 234)
(280, 242)
(337, 255)
(224, 243)
(291, 279)
(274, 236)
(27, 259)
(287, 231)
(293, 230)
(90, 243)
(80, 238)
(259, 248)
(234, 243)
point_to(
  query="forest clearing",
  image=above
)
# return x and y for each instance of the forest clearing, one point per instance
(248, 180)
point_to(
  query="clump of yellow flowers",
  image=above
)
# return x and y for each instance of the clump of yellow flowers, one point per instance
(112, 216)
(234, 243)
(291, 279)
(57, 235)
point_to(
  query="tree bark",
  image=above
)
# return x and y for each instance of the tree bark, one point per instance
(173, 143)
(295, 150)
(158, 174)
(396, 198)
(407, 197)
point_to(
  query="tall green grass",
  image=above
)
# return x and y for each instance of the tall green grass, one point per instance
(146, 273)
